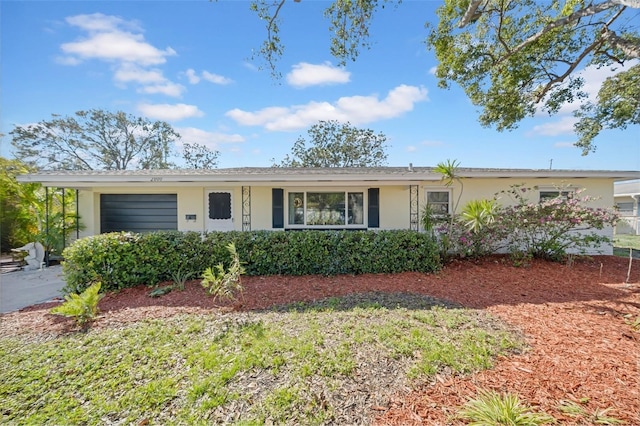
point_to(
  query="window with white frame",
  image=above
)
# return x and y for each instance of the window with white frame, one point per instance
(325, 208)
(548, 194)
(438, 201)
(625, 209)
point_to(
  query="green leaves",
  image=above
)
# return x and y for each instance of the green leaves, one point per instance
(492, 408)
(514, 58)
(94, 140)
(120, 260)
(333, 144)
(224, 283)
(83, 307)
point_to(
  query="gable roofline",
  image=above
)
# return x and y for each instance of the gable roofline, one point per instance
(86, 178)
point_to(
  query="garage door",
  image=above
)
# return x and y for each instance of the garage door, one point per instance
(138, 212)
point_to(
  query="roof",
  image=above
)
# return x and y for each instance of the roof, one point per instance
(269, 175)
(627, 188)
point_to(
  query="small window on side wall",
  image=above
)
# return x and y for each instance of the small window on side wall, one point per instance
(551, 194)
(438, 201)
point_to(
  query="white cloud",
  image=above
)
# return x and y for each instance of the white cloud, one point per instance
(215, 78)
(192, 76)
(355, 109)
(114, 40)
(169, 112)
(209, 139)
(563, 126)
(117, 46)
(98, 22)
(305, 74)
(168, 89)
(433, 70)
(131, 73)
(411, 148)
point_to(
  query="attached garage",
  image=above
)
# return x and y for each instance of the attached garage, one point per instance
(138, 212)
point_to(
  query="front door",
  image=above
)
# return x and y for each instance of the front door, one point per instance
(219, 211)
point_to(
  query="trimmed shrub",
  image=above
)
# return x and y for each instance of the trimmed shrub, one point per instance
(120, 260)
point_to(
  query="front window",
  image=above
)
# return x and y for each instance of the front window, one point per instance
(326, 209)
(438, 201)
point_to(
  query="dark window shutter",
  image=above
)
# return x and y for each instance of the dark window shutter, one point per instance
(219, 205)
(277, 203)
(374, 207)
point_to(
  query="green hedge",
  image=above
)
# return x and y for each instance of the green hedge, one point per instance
(120, 260)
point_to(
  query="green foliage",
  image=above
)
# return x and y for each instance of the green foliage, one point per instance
(224, 282)
(617, 107)
(552, 227)
(94, 140)
(17, 224)
(180, 276)
(338, 145)
(82, 307)
(492, 409)
(549, 229)
(122, 260)
(501, 56)
(202, 369)
(582, 415)
(198, 156)
(478, 214)
(161, 291)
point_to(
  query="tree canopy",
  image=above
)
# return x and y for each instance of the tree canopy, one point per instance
(95, 140)
(334, 144)
(512, 58)
(198, 156)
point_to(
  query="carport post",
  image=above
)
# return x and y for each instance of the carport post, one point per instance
(46, 221)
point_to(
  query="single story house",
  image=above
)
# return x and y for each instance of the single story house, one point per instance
(627, 198)
(275, 198)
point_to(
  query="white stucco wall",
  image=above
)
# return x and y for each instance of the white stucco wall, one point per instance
(394, 199)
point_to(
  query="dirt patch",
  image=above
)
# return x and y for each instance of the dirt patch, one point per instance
(575, 319)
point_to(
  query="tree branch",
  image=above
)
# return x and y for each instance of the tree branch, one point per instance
(571, 69)
(589, 11)
(630, 49)
(470, 15)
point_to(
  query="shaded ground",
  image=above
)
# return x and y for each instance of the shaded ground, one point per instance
(575, 319)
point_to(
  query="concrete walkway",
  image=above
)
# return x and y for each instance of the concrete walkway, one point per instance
(25, 288)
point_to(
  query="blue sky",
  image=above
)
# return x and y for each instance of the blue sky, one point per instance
(189, 63)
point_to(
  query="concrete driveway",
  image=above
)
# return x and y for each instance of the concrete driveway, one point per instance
(25, 288)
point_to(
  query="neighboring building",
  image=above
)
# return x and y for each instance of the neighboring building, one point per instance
(274, 198)
(627, 197)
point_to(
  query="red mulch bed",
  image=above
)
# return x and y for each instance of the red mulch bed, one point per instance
(575, 320)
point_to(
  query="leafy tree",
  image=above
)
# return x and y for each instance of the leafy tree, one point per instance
(95, 140)
(199, 156)
(515, 57)
(23, 211)
(16, 218)
(510, 57)
(333, 144)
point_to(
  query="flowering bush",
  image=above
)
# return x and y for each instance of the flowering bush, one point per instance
(547, 230)
(552, 227)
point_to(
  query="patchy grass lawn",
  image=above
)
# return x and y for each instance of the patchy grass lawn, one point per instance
(622, 243)
(320, 363)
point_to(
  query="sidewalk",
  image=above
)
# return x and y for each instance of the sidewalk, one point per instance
(25, 288)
